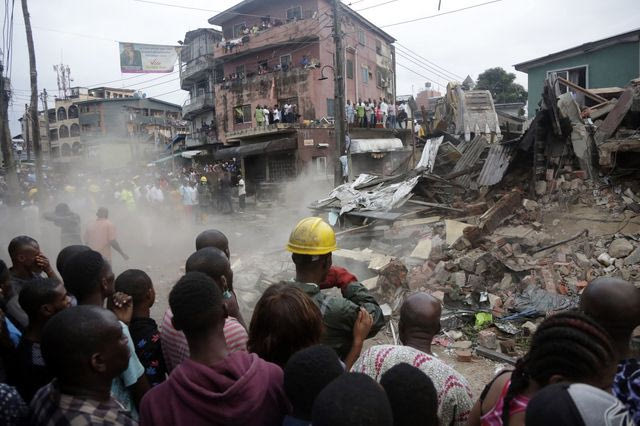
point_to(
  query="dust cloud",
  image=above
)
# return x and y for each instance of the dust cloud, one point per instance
(158, 237)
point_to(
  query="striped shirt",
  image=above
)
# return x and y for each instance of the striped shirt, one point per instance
(176, 349)
(454, 396)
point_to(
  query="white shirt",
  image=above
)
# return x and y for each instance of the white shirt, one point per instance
(287, 108)
(416, 128)
(241, 187)
(384, 107)
(391, 109)
(265, 111)
(276, 114)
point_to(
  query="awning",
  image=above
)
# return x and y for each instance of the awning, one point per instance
(164, 159)
(359, 146)
(189, 154)
(256, 149)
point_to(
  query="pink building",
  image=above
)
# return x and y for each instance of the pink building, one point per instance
(274, 53)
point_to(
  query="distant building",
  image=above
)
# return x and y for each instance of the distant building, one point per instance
(427, 98)
(609, 62)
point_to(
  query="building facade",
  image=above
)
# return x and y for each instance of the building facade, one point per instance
(610, 62)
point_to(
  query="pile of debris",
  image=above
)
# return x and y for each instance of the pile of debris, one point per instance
(473, 223)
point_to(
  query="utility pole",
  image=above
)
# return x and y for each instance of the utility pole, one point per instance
(338, 84)
(44, 97)
(25, 136)
(33, 109)
(5, 140)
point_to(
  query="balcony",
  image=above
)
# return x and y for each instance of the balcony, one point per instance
(201, 137)
(194, 69)
(294, 31)
(200, 103)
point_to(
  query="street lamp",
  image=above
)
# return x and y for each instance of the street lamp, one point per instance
(324, 77)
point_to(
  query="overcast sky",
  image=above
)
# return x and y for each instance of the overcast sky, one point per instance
(84, 35)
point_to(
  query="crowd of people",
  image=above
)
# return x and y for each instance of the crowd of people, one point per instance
(78, 346)
(285, 113)
(379, 113)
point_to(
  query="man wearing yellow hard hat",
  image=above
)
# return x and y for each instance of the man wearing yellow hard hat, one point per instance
(311, 243)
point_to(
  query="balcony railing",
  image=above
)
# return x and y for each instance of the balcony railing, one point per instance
(278, 34)
(195, 66)
(198, 103)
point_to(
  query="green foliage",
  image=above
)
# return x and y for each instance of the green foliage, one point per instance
(501, 85)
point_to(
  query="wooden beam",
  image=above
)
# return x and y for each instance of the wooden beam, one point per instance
(436, 206)
(495, 356)
(587, 92)
(615, 117)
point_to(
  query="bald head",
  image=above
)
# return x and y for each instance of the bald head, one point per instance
(420, 316)
(213, 238)
(615, 304)
(211, 262)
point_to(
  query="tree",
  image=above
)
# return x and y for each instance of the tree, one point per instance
(501, 85)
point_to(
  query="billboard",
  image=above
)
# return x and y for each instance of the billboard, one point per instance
(147, 58)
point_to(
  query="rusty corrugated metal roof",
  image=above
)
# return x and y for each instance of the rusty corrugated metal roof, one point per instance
(472, 153)
(496, 164)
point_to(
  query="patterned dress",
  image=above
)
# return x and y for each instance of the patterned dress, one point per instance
(454, 396)
(626, 386)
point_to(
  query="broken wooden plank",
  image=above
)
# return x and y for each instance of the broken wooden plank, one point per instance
(615, 117)
(586, 92)
(493, 217)
(416, 222)
(495, 355)
(436, 206)
(389, 216)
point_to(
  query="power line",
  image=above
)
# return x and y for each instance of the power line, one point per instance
(419, 65)
(428, 61)
(375, 5)
(157, 3)
(439, 14)
(412, 56)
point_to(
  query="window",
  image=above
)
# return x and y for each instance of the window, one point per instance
(285, 61)
(238, 29)
(365, 74)
(381, 77)
(362, 39)
(331, 110)
(242, 114)
(63, 131)
(577, 75)
(378, 47)
(294, 13)
(350, 69)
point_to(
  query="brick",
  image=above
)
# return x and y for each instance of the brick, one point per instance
(463, 355)
(508, 347)
(488, 339)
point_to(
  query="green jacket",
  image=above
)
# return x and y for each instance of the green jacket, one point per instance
(339, 314)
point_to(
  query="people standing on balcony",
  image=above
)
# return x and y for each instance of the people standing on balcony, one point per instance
(402, 116)
(378, 112)
(288, 112)
(268, 117)
(391, 111)
(360, 112)
(368, 113)
(276, 114)
(259, 116)
(350, 113)
(384, 109)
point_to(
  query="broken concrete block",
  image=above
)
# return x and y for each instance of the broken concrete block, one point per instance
(422, 249)
(438, 295)
(529, 205)
(494, 301)
(468, 263)
(582, 260)
(454, 230)
(371, 284)
(529, 328)
(605, 259)
(393, 276)
(541, 187)
(620, 247)
(379, 261)
(476, 282)
(460, 278)
(463, 344)
(463, 355)
(488, 339)
(500, 211)
(454, 334)
(633, 258)
(462, 244)
(386, 310)
(508, 347)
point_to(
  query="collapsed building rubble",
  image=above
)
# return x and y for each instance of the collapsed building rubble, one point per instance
(472, 222)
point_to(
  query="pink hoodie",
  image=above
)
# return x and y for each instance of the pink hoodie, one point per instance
(242, 389)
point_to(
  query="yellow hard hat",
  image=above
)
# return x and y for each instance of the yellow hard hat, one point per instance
(312, 236)
(203, 179)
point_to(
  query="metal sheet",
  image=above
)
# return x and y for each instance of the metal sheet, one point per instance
(470, 157)
(256, 149)
(359, 146)
(496, 164)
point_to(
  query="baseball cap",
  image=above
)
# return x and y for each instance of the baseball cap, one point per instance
(576, 405)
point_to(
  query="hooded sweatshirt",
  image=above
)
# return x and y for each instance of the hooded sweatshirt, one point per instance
(242, 389)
